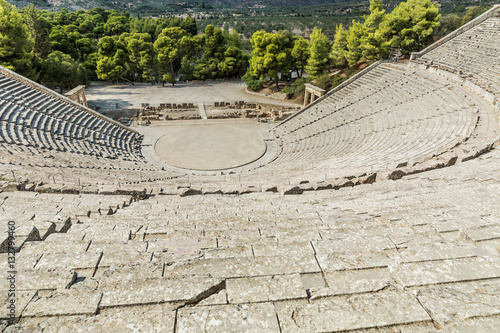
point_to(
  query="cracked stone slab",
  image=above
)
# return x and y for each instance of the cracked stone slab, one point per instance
(76, 260)
(259, 317)
(21, 300)
(353, 282)
(244, 267)
(150, 291)
(176, 254)
(228, 252)
(351, 313)
(219, 298)
(437, 251)
(115, 273)
(110, 258)
(483, 234)
(346, 243)
(128, 246)
(54, 247)
(23, 262)
(64, 302)
(353, 260)
(43, 279)
(194, 243)
(265, 289)
(290, 249)
(446, 271)
(155, 318)
(453, 304)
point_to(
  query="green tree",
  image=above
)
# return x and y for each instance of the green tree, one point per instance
(339, 47)
(39, 30)
(300, 54)
(472, 13)
(373, 44)
(448, 23)
(411, 24)
(108, 69)
(319, 50)
(271, 55)
(111, 61)
(354, 38)
(116, 25)
(61, 71)
(168, 52)
(15, 44)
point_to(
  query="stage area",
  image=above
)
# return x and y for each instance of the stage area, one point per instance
(210, 147)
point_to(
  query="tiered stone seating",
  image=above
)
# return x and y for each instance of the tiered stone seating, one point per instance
(473, 53)
(411, 255)
(35, 216)
(29, 117)
(420, 254)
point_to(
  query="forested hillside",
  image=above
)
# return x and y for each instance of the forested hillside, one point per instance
(61, 49)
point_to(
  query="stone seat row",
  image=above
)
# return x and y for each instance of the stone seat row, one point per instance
(373, 245)
(114, 140)
(473, 52)
(378, 123)
(31, 109)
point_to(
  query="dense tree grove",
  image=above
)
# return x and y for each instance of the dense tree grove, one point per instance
(63, 49)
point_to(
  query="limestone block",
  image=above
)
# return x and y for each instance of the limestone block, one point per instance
(265, 289)
(350, 313)
(244, 267)
(120, 272)
(41, 247)
(177, 244)
(228, 318)
(436, 251)
(483, 234)
(162, 290)
(45, 279)
(447, 271)
(228, 252)
(21, 301)
(118, 246)
(353, 282)
(64, 302)
(157, 318)
(77, 260)
(110, 258)
(457, 302)
(290, 249)
(218, 298)
(335, 261)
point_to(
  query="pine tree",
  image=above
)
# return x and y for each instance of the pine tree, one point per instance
(300, 54)
(354, 50)
(15, 44)
(39, 32)
(411, 24)
(373, 45)
(339, 48)
(319, 50)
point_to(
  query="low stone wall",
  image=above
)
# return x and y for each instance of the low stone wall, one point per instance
(278, 96)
